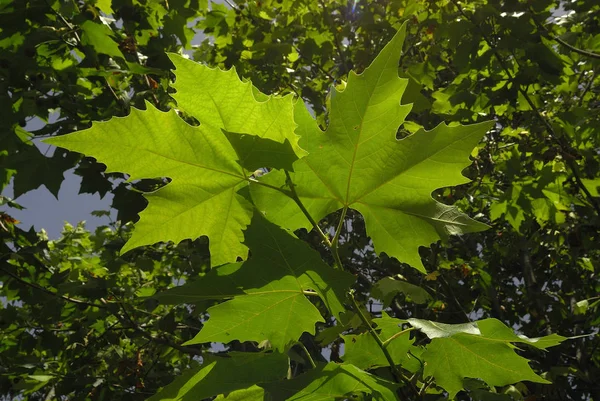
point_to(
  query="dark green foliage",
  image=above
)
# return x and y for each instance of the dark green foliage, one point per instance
(78, 320)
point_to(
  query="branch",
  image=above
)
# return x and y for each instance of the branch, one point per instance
(54, 294)
(164, 341)
(549, 35)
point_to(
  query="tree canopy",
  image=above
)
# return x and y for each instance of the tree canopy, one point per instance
(315, 200)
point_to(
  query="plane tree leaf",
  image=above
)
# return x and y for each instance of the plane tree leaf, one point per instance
(331, 382)
(219, 375)
(491, 328)
(266, 295)
(481, 350)
(363, 351)
(358, 163)
(98, 36)
(201, 162)
(451, 359)
(201, 198)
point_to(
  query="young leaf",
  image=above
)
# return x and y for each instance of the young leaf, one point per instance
(214, 376)
(202, 197)
(266, 293)
(358, 163)
(330, 382)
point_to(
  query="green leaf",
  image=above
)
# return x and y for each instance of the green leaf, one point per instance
(387, 288)
(216, 373)
(266, 298)
(495, 329)
(592, 185)
(202, 198)
(105, 6)
(254, 393)
(332, 381)
(480, 350)
(492, 329)
(363, 351)
(358, 163)
(440, 330)
(219, 100)
(99, 37)
(451, 359)
(255, 152)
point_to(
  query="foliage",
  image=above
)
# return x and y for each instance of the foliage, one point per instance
(79, 318)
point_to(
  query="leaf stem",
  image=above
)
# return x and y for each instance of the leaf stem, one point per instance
(398, 334)
(292, 194)
(336, 238)
(308, 356)
(395, 372)
(273, 187)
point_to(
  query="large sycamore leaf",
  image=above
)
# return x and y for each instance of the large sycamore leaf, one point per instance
(206, 171)
(363, 351)
(481, 350)
(358, 163)
(219, 375)
(266, 294)
(202, 197)
(332, 382)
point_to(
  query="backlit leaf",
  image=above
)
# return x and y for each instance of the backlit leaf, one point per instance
(358, 163)
(266, 299)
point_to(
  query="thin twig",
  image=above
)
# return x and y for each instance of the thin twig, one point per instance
(562, 42)
(158, 340)
(54, 294)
